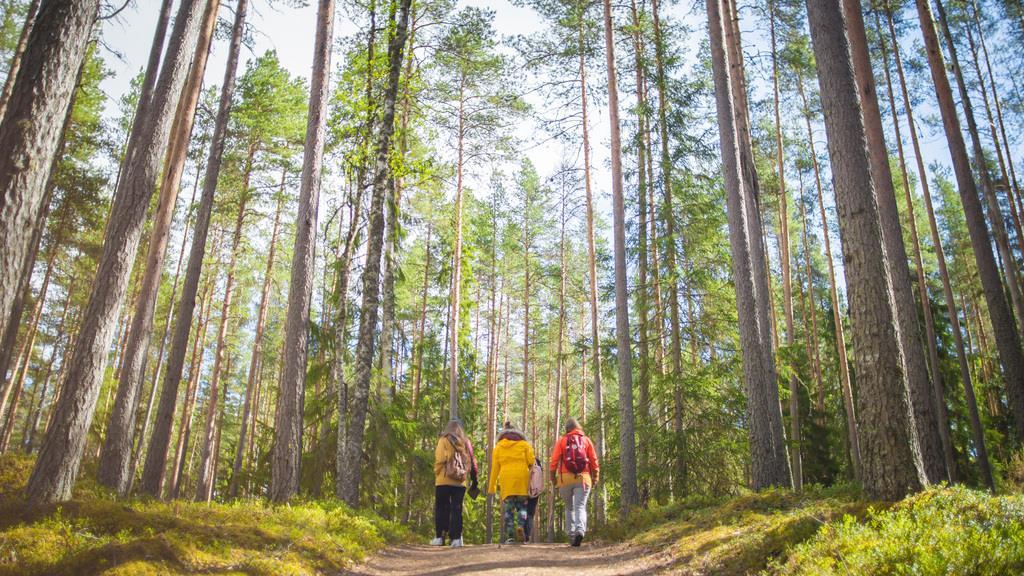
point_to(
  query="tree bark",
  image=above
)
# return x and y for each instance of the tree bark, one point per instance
(977, 431)
(891, 457)
(19, 52)
(926, 394)
(595, 335)
(766, 462)
(1006, 335)
(351, 475)
(796, 463)
(629, 496)
(837, 317)
(115, 457)
(194, 374)
(43, 90)
(156, 455)
(60, 455)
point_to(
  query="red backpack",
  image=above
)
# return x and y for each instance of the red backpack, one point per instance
(575, 455)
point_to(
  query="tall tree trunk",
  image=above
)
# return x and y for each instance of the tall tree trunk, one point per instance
(891, 458)
(286, 453)
(257, 346)
(796, 464)
(629, 496)
(668, 214)
(1006, 335)
(758, 376)
(456, 281)
(43, 90)
(19, 52)
(526, 312)
(926, 394)
(1012, 183)
(595, 335)
(995, 214)
(983, 88)
(852, 434)
(115, 457)
(194, 374)
(776, 471)
(142, 434)
(156, 456)
(351, 475)
(977, 432)
(60, 455)
(643, 372)
(205, 479)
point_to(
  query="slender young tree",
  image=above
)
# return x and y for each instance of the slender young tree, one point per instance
(153, 473)
(350, 476)
(60, 455)
(116, 453)
(977, 431)
(1006, 336)
(888, 442)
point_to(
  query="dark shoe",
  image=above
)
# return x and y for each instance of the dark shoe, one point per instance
(577, 540)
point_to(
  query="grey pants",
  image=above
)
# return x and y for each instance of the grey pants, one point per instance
(575, 496)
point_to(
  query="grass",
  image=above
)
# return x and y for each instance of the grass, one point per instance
(835, 531)
(97, 534)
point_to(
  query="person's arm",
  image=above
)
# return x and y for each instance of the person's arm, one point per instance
(595, 466)
(440, 456)
(531, 457)
(556, 458)
(492, 474)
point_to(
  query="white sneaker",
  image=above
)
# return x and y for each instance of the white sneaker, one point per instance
(457, 543)
(437, 542)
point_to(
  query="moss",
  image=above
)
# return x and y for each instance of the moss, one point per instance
(939, 531)
(96, 534)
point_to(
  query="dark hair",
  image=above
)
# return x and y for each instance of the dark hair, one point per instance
(571, 424)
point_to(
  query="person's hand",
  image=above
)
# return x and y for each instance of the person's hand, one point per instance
(594, 477)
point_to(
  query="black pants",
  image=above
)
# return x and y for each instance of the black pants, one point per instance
(448, 511)
(531, 509)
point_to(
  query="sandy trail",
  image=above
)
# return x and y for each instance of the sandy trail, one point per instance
(529, 560)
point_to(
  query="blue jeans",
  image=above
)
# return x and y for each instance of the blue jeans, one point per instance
(575, 496)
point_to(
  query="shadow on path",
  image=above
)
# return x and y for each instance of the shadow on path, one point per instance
(529, 560)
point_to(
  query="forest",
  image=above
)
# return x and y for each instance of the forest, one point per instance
(768, 253)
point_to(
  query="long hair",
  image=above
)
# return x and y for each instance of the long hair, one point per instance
(454, 430)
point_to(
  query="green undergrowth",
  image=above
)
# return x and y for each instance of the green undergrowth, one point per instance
(939, 531)
(96, 534)
(834, 531)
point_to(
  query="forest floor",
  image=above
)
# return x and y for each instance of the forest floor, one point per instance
(521, 559)
(820, 531)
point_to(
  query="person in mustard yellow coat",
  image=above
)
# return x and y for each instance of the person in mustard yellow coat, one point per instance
(449, 492)
(510, 473)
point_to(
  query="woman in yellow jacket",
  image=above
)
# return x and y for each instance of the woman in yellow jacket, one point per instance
(449, 492)
(510, 472)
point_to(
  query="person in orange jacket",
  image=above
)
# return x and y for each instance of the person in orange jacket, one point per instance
(575, 470)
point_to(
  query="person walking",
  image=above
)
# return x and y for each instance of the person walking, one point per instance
(535, 488)
(510, 473)
(454, 464)
(574, 470)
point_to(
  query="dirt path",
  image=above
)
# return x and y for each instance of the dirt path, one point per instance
(528, 560)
